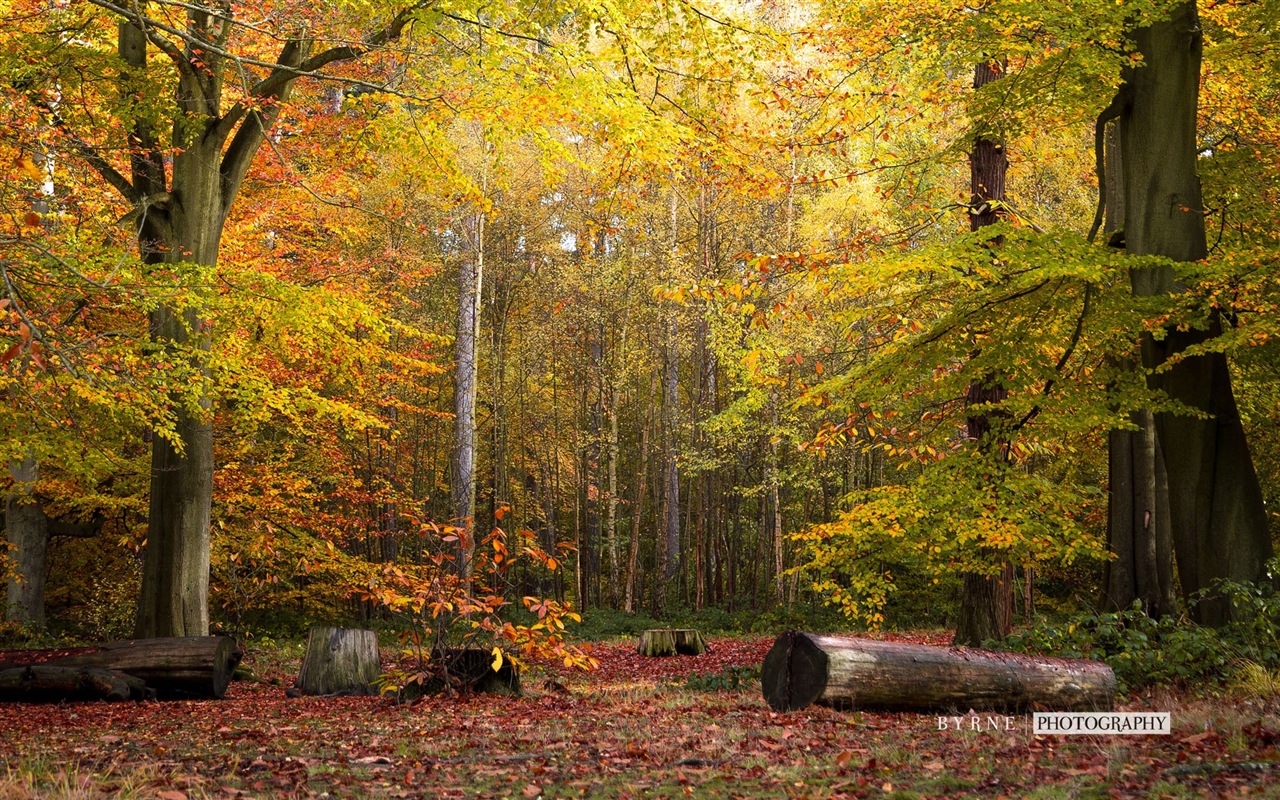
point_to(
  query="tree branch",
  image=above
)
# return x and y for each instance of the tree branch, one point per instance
(1109, 113)
(148, 26)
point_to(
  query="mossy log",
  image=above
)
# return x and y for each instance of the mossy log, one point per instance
(340, 661)
(845, 672)
(44, 683)
(671, 642)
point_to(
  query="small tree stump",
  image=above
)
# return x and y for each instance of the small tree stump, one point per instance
(340, 661)
(670, 642)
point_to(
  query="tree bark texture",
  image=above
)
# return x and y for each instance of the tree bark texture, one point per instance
(1218, 520)
(44, 683)
(340, 661)
(986, 602)
(463, 462)
(27, 530)
(671, 642)
(802, 669)
(173, 668)
(1138, 521)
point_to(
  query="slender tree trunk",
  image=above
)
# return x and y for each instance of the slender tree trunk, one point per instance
(1218, 518)
(463, 466)
(670, 427)
(775, 500)
(611, 510)
(637, 508)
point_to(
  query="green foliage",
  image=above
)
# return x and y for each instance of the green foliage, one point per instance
(967, 513)
(599, 624)
(1149, 652)
(731, 679)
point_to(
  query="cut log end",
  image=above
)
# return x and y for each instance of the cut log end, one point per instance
(794, 674)
(844, 672)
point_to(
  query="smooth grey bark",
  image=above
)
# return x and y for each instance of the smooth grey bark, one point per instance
(178, 214)
(27, 530)
(670, 424)
(1218, 519)
(463, 460)
(1138, 526)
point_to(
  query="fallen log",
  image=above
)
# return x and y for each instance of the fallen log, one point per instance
(670, 642)
(340, 661)
(845, 672)
(175, 667)
(43, 683)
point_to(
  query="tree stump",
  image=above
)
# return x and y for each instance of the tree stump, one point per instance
(340, 661)
(670, 642)
(846, 672)
(470, 670)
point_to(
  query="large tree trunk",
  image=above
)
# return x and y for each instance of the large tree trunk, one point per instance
(801, 669)
(27, 530)
(986, 601)
(1218, 519)
(175, 573)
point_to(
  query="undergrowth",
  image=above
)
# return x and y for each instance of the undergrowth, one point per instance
(1145, 652)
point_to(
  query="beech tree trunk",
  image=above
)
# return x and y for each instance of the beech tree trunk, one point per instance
(340, 661)
(463, 462)
(986, 601)
(670, 424)
(802, 669)
(1218, 520)
(27, 530)
(637, 508)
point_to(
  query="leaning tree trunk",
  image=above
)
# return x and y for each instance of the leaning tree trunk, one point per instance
(340, 661)
(1218, 519)
(802, 669)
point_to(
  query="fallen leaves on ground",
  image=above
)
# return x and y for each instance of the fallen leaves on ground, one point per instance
(626, 730)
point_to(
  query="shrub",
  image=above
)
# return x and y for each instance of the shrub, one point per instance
(1149, 652)
(445, 615)
(732, 679)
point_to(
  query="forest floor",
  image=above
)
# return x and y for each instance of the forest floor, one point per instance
(636, 727)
